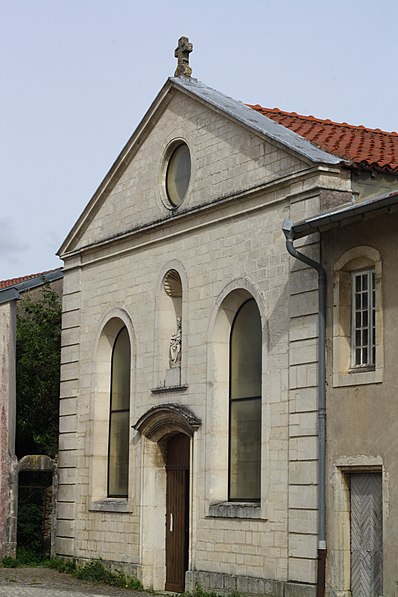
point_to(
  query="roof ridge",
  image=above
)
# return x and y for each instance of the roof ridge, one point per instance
(327, 121)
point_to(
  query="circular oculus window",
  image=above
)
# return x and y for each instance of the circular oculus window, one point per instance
(178, 174)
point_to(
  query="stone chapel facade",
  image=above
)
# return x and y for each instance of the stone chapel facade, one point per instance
(188, 412)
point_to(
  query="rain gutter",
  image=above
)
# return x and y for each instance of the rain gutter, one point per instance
(288, 230)
(348, 214)
(9, 294)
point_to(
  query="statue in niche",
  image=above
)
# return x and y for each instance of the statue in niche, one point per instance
(175, 346)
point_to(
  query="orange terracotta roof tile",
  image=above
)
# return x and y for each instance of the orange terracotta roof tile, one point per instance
(364, 147)
(14, 281)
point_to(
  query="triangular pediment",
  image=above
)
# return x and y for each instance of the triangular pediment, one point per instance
(227, 140)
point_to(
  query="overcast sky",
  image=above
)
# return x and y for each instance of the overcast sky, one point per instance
(78, 76)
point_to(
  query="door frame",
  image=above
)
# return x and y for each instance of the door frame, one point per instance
(339, 516)
(156, 426)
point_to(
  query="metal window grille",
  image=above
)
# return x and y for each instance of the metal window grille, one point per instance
(363, 333)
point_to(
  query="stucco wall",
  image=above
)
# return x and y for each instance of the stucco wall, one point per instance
(362, 423)
(7, 413)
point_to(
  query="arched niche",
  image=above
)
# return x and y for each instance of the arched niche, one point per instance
(170, 335)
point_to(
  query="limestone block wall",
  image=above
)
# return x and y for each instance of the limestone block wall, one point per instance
(228, 240)
(130, 287)
(68, 478)
(303, 434)
(226, 161)
(278, 541)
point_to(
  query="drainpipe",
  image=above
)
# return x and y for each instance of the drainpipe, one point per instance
(287, 228)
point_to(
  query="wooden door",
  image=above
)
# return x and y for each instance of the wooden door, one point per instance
(366, 535)
(177, 512)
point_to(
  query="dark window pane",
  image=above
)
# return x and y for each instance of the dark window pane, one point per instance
(178, 174)
(121, 372)
(365, 356)
(246, 352)
(358, 356)
(119, 454)
(245, 405)
(245, 451)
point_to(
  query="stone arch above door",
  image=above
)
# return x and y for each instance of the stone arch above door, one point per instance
(36, 462)
(166, 419)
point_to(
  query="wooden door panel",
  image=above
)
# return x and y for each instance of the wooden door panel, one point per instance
(177, 512)
(366, 535)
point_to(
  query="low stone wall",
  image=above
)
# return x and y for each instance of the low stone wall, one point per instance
(246, 585)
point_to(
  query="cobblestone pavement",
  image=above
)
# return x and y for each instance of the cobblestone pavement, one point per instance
(43, 582)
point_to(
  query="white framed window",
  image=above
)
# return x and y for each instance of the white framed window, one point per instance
(363, 319)
(358, 351)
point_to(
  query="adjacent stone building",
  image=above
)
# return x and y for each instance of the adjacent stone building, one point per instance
(359, 256)
(11, 291)
(189, 446)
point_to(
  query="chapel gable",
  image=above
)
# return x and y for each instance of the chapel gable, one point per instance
(187, 154)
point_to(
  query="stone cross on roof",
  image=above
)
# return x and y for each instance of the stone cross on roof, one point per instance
(182, 52)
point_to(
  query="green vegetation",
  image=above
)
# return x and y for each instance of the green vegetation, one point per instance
(38, 346)
(38, 367)
(30, 520)
(95, 571)
(25, 557)
(67, 566)
(9, 562)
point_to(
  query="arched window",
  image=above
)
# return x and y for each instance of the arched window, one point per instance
(245, 405)
(119, 417)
